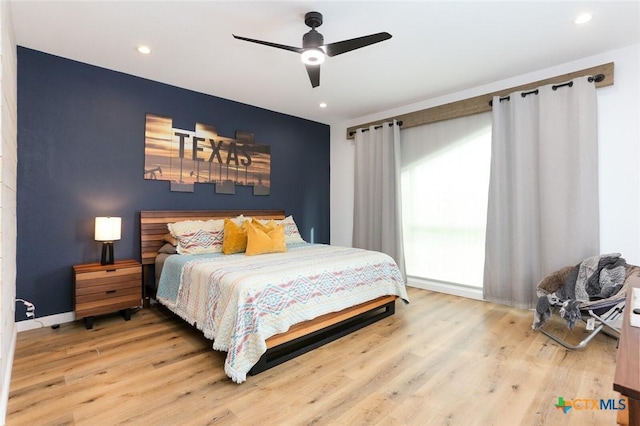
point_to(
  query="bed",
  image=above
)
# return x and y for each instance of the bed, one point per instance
(266, 309)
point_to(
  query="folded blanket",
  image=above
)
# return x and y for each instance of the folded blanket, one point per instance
(595, 278)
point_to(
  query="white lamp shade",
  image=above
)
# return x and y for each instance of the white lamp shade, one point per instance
(108, 228)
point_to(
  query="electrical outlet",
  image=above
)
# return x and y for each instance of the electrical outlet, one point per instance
(30, 308)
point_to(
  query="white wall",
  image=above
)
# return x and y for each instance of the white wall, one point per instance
(619, 142)
(8, 173)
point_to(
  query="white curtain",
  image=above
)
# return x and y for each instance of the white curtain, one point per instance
(377, 221)
(543, 192)
(445, 183)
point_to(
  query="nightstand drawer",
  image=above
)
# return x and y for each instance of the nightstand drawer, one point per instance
(106, 293)
(107, 287)
(108, 275)
(85, 286)
(104, 306)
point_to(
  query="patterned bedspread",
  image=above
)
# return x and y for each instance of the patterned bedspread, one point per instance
(240, 301)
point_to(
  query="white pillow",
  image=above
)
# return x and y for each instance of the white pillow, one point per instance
(239, 220)
(197, 236)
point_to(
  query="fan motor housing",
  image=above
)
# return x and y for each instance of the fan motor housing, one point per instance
(312, 39)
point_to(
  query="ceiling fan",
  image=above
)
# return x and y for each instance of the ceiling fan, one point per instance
(313, 49)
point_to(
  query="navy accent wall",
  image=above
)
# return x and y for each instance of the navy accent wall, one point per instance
(81, 155)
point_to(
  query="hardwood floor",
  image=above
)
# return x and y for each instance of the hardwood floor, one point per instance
(442, 360)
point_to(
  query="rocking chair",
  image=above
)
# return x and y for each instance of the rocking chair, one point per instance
(599, 315)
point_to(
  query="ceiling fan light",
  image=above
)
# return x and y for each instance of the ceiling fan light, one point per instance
(313, 56)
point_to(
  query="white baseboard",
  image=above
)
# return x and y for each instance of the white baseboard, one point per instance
(449, 288)
(6, 377)
(46, 321)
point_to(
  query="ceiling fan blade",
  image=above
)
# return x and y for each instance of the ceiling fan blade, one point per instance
(337, 48)
(314, 74)
(266, 43)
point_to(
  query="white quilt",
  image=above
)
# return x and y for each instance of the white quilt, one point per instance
(240, 301)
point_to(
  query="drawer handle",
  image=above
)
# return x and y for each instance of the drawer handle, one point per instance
(111, 291)
(110, 270)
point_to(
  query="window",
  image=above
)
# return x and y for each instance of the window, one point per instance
(445, 184)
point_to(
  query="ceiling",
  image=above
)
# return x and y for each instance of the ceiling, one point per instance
(438, 47)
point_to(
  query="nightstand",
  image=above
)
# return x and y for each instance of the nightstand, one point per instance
(101, 289)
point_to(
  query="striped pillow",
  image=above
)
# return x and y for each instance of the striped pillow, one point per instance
(291, 232)
(197, 236)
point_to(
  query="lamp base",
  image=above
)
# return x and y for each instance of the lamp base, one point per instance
(107, 254)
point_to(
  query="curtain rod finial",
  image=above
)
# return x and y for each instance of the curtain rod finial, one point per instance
(597, 78)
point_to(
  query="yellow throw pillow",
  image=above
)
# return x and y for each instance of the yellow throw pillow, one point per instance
(263, 226)
(291, 232)
(235, 237)
(260, 242)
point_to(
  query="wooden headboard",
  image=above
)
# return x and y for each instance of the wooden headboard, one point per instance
(153, 225)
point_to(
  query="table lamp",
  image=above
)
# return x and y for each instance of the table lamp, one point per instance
(107, 231)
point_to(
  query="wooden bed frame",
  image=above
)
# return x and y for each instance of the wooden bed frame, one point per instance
(300, 338)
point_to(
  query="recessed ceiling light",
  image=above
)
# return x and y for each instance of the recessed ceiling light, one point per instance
(323, 104)
(144, 50)
(583, 18)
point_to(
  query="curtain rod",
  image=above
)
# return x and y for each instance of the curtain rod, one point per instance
(376, 127)
(597, 78)
(480, 103)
